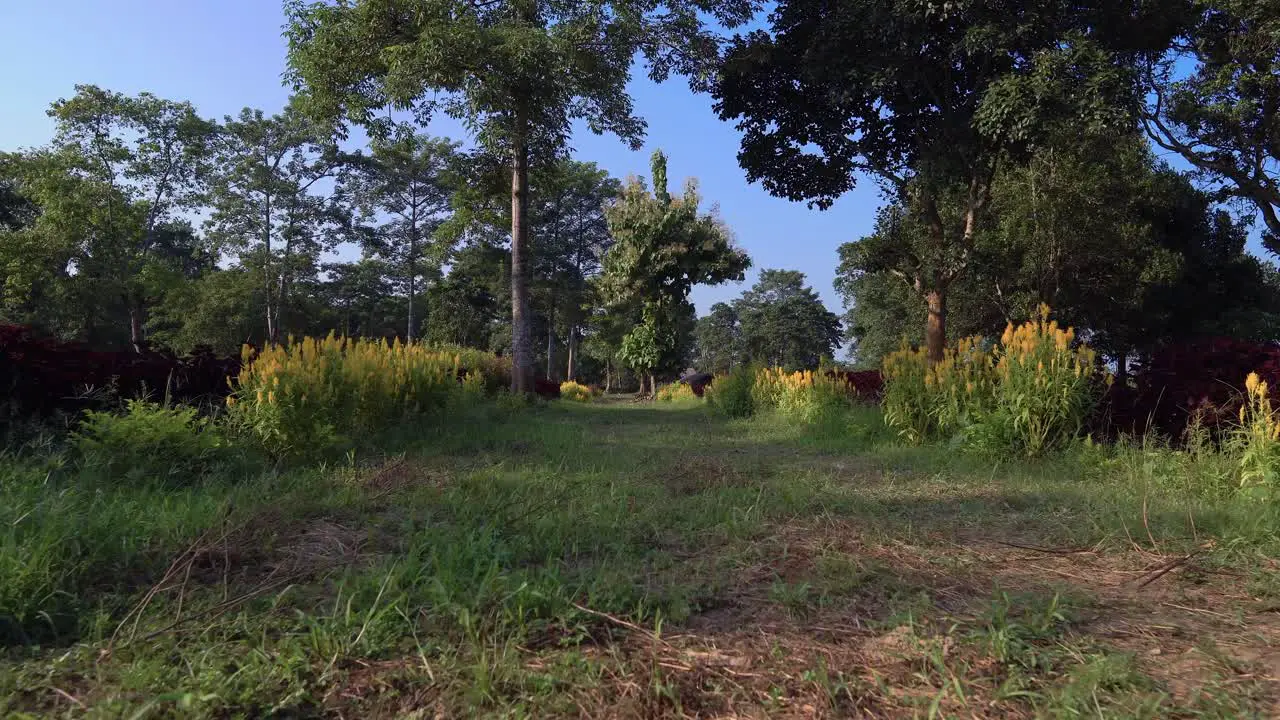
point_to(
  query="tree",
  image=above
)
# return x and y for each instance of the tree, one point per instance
(928, 98)
(663, 246)
(718, 339)
(360, 296)
(1120, 246)
(73, 268)
(518, 72)
(1215, 99)
(266, 200)
(468, 304)
(148, 153)
(220, 309)
(784, 323)
(409, 180)
(568, 200)
(16, 211)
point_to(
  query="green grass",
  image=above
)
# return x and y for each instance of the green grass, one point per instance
(621, 560)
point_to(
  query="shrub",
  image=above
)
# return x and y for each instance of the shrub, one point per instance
(1031, 393)
(148, 442)
(731, 395)
(1198, 379)
(312, 395)
(862, 385)
(804, 396)
(571, 390)
(1257, 437)
(546, 389)
(676, 391)
(41, 376)
(923, 401)
(769, 385)
(1044, 388)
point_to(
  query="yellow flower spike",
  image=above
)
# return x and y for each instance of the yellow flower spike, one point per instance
(1251, 382)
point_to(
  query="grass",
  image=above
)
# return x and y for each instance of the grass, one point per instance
(622, 560)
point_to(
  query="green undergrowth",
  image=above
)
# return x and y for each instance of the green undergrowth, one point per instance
(534, 563)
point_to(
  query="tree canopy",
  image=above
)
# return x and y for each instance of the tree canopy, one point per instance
(1214, 100)
(517, 73)
(928, 98)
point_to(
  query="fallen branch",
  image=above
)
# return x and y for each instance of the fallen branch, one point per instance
(1051, 551)
(1167, 568)
(624, 623)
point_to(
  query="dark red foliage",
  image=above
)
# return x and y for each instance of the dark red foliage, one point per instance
(698, 383)
(548, 389)
(41, 375)
(1204, 378)
(864, 385)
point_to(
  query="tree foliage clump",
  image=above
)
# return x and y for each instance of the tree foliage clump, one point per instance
(663, 246)
(928, 98)
(779, 322)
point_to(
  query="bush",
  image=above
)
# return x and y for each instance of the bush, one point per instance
(1031, 393)
(1257, 438)
(767, 388)
(804, 396)
(1198, 380)
(672, 392)
(863, 385)
(731, 395)
(576, 392)
(41, 376)
(313, 395)
(1044, 389)
(148, 442)
(923, 401)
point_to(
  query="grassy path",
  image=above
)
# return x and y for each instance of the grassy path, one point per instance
(619, 560)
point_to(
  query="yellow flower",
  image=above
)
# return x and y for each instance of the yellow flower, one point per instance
(1251, 383)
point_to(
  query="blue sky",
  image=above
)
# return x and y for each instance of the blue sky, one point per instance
(223, 55)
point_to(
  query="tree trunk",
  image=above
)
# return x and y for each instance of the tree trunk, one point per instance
(413, 273)
(136, 337)
(272, 330)
(653, 386)
(573, 334)
(608, 376)
(551, 335)
(935, 329)
(521, 340)
(1122, 369)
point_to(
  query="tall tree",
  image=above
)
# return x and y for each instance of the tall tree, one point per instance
(663, 247)
(406, 180)
(784, 323)
(269, 202)
(718, 339)
(518, 72)
(1215, 101)
(571, 239)
(927, 98)
(147, 152)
